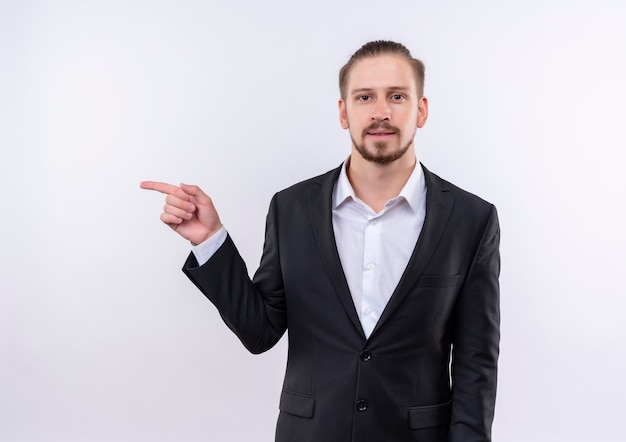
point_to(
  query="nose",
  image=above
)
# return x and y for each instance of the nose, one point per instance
(381, 111)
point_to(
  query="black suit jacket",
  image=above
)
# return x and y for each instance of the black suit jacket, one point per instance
(428, 370)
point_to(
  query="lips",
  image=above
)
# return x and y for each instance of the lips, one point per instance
(380, 129)
(380, 133)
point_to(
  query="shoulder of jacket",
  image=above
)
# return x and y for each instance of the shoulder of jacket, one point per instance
(435, 183)
(326, 178)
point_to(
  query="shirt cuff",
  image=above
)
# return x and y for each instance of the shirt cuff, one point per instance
(206, 249)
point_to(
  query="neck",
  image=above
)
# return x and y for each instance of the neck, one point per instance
(374, 183)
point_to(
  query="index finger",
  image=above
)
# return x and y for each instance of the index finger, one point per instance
(166, 188)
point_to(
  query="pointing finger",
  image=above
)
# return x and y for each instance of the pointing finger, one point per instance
(167, 189)
(159, 187)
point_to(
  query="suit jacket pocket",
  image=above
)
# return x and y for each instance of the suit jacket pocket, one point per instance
(436, 281)
(429, 416)
(297, 404)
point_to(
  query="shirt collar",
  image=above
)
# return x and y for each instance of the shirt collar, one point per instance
(343, 188)
(413, 192)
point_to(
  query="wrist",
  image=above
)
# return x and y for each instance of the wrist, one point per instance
(208, 234)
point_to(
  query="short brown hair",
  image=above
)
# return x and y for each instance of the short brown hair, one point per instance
(382, 47)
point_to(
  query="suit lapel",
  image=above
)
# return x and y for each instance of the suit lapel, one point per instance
(320, 210)
(438, 208)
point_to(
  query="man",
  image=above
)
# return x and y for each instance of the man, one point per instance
(385, 275)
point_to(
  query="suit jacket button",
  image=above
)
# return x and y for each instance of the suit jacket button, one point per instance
(361, 405)
(366, 356)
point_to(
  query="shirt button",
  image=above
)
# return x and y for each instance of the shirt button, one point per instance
(366, 356)
(361, 405)
(370, 265)
(367, 311)
(373, 221)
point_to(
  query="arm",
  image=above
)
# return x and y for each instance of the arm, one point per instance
(476, 338)
(255, 311)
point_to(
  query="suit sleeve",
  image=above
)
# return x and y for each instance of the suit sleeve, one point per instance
(476, 337)
(254, 310)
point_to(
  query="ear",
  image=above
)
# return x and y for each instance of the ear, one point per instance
(422, 112)
(343, 114)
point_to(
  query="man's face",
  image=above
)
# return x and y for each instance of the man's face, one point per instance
(382, 108)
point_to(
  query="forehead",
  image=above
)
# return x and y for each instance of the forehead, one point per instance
(382, 71)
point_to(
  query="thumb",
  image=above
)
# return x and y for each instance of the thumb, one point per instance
(191, 189)
(199, 197)
(195, 192)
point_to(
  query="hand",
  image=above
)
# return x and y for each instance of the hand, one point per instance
(188, 210)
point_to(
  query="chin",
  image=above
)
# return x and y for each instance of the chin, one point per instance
(381, 152)
(381, 155)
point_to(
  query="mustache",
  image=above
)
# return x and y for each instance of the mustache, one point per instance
(380, 125)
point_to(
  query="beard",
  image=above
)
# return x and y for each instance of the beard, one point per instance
(381, 154)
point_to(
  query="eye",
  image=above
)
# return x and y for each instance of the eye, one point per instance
(364, 98)
(397, 97)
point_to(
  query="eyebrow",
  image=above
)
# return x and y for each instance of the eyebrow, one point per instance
(369, 89)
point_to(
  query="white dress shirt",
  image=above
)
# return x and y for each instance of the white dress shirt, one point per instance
(374, 248)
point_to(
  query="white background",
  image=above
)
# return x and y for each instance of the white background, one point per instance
(102, 338)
